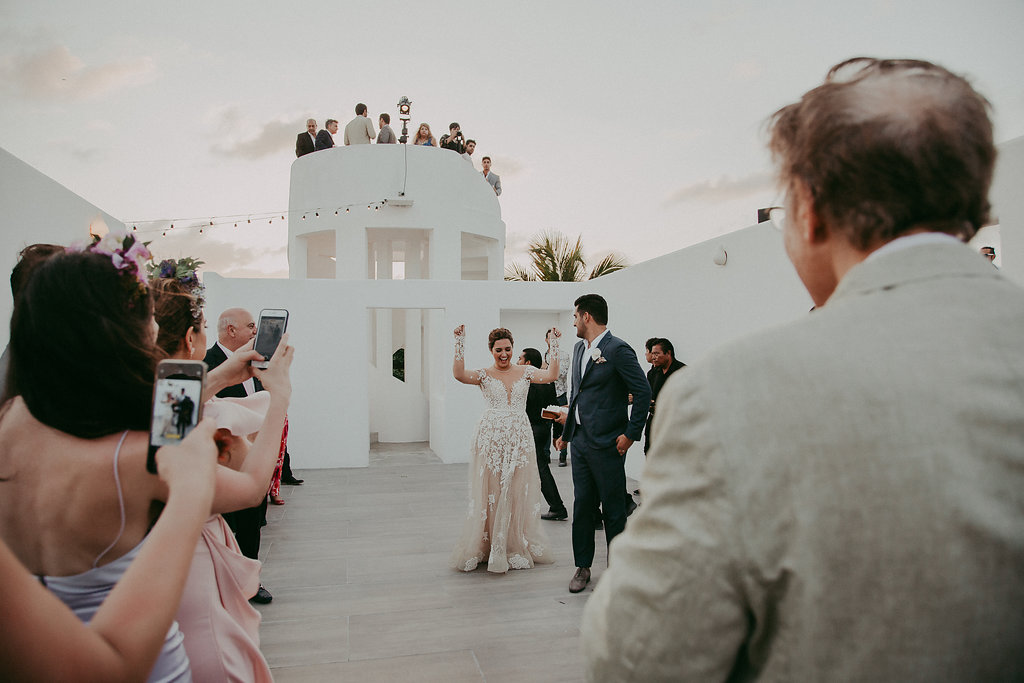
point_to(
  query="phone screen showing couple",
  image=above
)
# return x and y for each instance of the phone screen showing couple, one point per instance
(177, 406)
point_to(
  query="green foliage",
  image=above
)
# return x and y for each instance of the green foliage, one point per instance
(554, 257)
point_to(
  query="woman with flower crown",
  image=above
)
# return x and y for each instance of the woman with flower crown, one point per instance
(502, 526)
(76, 500)
(221, 628)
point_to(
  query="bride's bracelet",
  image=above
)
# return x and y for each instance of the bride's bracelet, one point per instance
(460, 347)
(553, 349)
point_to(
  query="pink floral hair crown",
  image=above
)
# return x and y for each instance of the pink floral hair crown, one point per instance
(127, 254)
(184, 271)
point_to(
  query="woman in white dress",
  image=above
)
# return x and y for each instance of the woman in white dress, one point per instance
(502, 527)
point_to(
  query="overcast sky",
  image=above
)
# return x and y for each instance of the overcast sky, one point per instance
(637, 125)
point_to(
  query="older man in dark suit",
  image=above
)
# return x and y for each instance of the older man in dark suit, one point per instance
(235, 329)
(306, 142)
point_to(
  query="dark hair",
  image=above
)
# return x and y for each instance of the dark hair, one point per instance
(666, 346)
(533, 357)
(172, 309)
(329, 122)
(385, 116)
(992, 248)
(360, 109)
(28, 259)
(649, 344)
(595, 305)
(485, 159)
(473, 141)
(82, 353)
(886, 146)
(453, 125)
(497, 334)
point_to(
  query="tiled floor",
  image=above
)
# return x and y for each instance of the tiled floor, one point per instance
(357, 560)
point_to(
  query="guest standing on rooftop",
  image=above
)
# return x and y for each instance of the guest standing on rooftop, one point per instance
(306, 142)
(453, 139)
(842, 498)
(325, 138)
(424, 137)
(387, 135)
(492, 178)
(359, 130)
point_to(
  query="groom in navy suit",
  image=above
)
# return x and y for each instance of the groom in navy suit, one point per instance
(604, 373)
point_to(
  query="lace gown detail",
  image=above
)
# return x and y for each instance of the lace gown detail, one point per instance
(502, 526)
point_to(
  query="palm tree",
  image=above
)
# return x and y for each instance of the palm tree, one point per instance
(555, 258)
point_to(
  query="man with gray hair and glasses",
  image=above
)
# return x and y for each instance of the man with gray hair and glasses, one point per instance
(842, 498)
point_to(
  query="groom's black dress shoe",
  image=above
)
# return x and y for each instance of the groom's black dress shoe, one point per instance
(557, 516)
(262, 597)
(630, 505)
(292, 481)
(580, 580)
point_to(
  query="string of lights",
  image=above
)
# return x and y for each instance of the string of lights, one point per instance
(179, 225)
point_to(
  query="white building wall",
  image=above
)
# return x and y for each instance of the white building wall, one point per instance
(1008, 207)
(683, 296)
(36, 209)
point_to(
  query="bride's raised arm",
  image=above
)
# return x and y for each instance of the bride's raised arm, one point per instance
(459, 364)
(549, 374)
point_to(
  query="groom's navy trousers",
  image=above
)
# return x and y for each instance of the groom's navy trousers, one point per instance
(599, 477)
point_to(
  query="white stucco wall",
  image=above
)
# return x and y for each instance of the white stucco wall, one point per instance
(683, 296)
(37, 209)
(1008, 207)
(448, 197)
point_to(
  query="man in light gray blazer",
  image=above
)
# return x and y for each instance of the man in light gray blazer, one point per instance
(842, 498)
(493, 178)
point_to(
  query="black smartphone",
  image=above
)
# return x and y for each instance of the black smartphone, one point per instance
(177, 404)
(272, 325)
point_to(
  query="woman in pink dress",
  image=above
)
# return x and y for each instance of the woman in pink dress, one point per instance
(221, 628)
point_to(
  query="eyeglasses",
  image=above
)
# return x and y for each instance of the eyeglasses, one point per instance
(777, 217)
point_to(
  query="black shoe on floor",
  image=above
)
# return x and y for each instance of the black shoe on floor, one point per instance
(631, 506)
(556, 516)
(262, 597)
(562, 463)
(292, 481)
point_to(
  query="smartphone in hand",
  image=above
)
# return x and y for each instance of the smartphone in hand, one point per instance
(272, 326)
(177, 404)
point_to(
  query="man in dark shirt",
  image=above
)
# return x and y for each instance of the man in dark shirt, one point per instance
(541, 396)
(663, 364)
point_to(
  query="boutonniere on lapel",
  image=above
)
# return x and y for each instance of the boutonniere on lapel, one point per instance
(595, 355)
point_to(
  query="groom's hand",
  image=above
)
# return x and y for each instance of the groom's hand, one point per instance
(559, 444)
(623, 443)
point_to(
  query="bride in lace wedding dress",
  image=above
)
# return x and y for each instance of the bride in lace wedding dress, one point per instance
(502, 527)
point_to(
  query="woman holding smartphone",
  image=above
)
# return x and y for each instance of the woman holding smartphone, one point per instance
(76, 500)
(221, 628)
